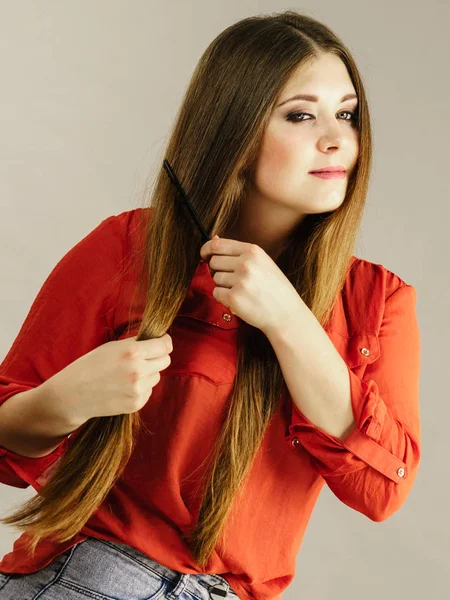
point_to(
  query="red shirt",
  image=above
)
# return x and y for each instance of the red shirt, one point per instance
(83, 303)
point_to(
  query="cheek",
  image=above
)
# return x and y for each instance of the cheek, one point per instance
(279, 157)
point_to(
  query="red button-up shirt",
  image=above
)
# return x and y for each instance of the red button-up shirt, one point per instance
(84, 302)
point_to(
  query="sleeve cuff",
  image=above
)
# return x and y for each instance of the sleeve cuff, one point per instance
(360, 448)
(33, 471)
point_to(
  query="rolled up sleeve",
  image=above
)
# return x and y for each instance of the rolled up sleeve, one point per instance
(71, 315)
(373, 469)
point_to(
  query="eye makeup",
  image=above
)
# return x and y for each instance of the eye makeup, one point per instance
(291, 116)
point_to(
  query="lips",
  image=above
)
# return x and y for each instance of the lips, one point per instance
(330, 170)
(330, 174)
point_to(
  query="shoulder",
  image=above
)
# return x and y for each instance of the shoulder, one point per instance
(365, 296)
(373, 279)
(129, 224)
(127, 220)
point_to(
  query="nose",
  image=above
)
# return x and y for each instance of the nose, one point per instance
(327, 142)
(331, 135)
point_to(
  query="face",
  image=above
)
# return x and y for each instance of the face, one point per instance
(303, 135)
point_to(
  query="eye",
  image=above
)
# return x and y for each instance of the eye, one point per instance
(353, 116)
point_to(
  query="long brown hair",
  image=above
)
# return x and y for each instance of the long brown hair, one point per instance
(213, 148)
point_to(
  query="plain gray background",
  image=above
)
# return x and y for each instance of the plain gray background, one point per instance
(89, 90)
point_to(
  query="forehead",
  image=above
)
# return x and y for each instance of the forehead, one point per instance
(323, 76)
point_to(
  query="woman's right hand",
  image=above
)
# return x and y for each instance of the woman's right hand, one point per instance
(113, 379)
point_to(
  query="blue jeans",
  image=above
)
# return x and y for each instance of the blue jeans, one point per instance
(104, 570)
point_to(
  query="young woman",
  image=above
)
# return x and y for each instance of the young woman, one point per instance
(178, 407)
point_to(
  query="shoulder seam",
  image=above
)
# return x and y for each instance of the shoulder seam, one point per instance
(402, 284)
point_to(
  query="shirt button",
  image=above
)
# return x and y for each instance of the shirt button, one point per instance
(365, 351)
(401, 472)
(295, 442)
(226, 317)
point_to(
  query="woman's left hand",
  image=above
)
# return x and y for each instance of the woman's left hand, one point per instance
(250, 284)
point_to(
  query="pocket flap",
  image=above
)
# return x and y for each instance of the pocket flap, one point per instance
(358, 349)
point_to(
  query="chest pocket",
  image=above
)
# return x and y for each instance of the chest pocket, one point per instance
(358, 350)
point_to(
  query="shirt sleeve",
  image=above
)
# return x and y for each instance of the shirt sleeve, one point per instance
(71, 315)
(373, 469)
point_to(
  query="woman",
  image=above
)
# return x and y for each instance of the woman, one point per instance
(292, 362)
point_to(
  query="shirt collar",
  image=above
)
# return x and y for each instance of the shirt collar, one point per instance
(200, 304)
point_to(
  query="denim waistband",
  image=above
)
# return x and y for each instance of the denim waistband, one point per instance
(207, 580)
(105, 570)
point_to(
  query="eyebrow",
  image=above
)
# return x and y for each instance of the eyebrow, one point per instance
(311, 98)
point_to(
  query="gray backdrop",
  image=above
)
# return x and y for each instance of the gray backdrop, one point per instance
(89, 90)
